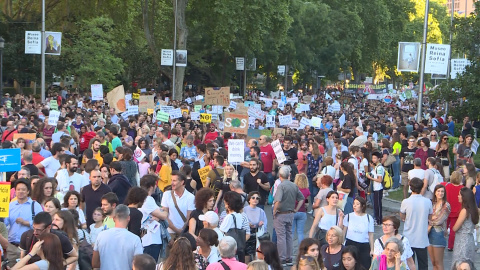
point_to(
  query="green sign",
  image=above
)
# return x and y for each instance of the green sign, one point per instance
(162, 116)
(9, 104)
(53, 105)
(197, 108)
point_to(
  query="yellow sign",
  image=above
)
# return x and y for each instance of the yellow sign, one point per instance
(184, 111)
(149, 111)
(5, 199)
(203, 172)
(135, 96)
(205, 118)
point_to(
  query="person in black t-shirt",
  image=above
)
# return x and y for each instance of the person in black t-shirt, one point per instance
(42, 223)
(291, 154)
(134, 200)
(407, 155)
(257, 181)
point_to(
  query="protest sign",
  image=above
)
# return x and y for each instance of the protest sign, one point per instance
(316, 122)
(53, 118)
(117, 99)
(256, 133)
(341, 120)
(205, 118)
(146, 102)
(125, 115)
(150, 111)
(295, 124)
(236, 123)
(197, 108)
(4, 199)
(53, 105)
(278, 131)
(166, 109)
(277, 148)
(195, 116)
(136, 96)
(270, 121)
(10, 160)
(305, 122)
(189, 100)
(285, 119)
(203, 172)
(28, 137)
(162, 116)
(133, 110)
(176, 113)
(236, 150)
(217, 96)
(233, 105)
(97, 91)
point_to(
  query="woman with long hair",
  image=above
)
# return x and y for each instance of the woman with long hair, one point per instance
(52, 206)
(49, 249)
(453, 191)
(358, 230)
(268, 252)
(129, 167)
(313, 166)
(464, 150)
(43, 190)
(310, 247)
(229, 174)
(433, 139)
(144, 146)
(180, 256)
(442, 150)
(300, 217)
(470, 175)
(207, 242)
(347, 185)
(134, 200)
(390, 226)
(127, 140)
(257, 219)
(64, 221)
(461, 140)
(464, 246)
(326, 217)
(438, 227)
(203, 203)
(165, 175)
(350, 260)
(71, 200)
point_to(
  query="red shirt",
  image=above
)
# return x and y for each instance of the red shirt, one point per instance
(210, 136)
(452, 199)
(85, 140)
(8, 135)
(267, 155)
(37, 158)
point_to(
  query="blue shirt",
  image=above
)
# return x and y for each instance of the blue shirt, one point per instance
(189, 153)
(23, 211)
(45, 153)
(451, 128)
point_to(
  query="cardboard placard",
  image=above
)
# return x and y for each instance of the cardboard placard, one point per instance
(4, 199)
(203, 172)
(217, 96)
(146, 102)
(236, 123)
(277, 148)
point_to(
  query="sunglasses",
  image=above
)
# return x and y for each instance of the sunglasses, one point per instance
(256, 198)
(259, 251)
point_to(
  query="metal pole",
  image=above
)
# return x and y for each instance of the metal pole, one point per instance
(174, 50)
(422, 68)
(43, 52)
(450, 57)
(245, 76)
(1, 73)
(286, 79)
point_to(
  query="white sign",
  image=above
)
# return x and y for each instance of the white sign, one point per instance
(181, 58)
(334, 107)
(133, 110)
(233, 105)
(458, 67)
(166, 109)
(167, 57)
(236, 150)
(188, 100)
(240, 61)
(175, 113)
(251, 122)
(53, 42)
(305, 122)
(53, 118)
(128, 97)
(436, 61)
(195, 116)
(341, 120)
(270, 121)
(218, 109)
(277, 148)
(316, 122)
(97, 91)
(33, 43)
(281, 70)
(285, 119)
(475, 145)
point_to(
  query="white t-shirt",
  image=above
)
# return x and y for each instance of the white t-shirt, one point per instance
(64, 181)
(185, 203)
(150, 238)
(378, 171)
(120, 244)
(359, 227)
(214, 255)
(419, 173)
(51, 166)
(227, 222)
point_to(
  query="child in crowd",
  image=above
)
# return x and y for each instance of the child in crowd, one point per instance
(143, 167)
(96, 227)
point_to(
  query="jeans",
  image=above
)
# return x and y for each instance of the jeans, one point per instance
(283, 225)
(270, 178)
(152, 250)
(421, 255)
(377, 206)
(313, 189)
(299, 220)
(348, 206)
(396, 172)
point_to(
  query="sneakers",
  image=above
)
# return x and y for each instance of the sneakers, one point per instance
(289, 262)
(310, 212)
(284, 263)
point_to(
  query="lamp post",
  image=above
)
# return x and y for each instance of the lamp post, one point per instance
(2, 45)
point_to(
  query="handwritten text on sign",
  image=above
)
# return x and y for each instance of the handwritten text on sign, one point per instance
(217, 96)
(4, 199)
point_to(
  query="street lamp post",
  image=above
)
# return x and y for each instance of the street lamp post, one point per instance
(2, 45)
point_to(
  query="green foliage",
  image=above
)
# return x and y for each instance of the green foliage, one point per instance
(91, 55)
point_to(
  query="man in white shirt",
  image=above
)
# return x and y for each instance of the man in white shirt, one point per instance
(163, 135)
(51, 164)
(68, 178)
(178, 204)
(417, 171)
(361, 139)
(151, 215)
(116, 247)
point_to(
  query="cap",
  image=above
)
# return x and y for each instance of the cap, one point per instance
(210, 217)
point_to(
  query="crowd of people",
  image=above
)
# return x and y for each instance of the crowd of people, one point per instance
(96, 190)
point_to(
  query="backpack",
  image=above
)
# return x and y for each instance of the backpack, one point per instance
(387, 180)
(216, 183)
(85, 253)
(437, 179)
(270, 195)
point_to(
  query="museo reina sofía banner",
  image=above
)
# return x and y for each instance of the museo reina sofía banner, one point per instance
(408, 56)
(437, 59)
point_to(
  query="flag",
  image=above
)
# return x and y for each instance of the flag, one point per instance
(116, 99)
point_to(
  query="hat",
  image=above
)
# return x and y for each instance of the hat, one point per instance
(7, 94)
(210, 217)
